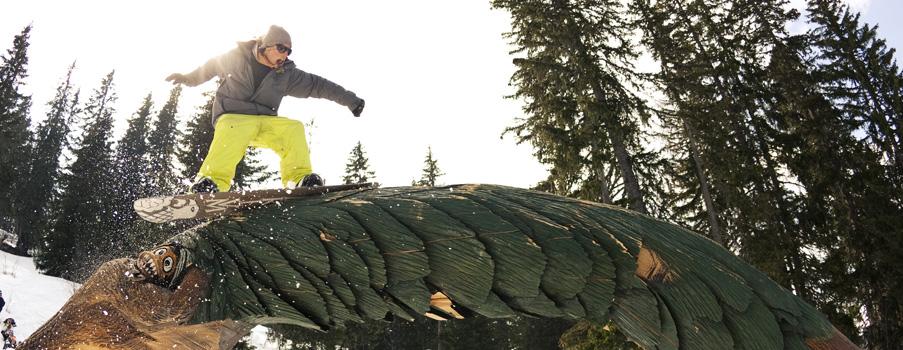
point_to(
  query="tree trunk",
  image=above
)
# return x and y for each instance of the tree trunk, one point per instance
(786, 227)
(625, 162)
(714, 226)
(599, 169)
(610, 119)
(24, 239)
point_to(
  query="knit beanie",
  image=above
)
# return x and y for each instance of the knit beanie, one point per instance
(276, 35)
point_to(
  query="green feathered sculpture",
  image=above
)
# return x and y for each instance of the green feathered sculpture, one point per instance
(453, 252)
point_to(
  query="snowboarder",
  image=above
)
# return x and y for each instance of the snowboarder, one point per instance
(2, 301)
(256, 75)
(9, 338)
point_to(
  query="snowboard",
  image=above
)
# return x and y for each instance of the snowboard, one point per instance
(209, 205)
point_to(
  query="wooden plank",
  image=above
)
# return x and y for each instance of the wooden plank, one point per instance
(209, 205)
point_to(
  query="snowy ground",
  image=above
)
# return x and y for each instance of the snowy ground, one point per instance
(33, 298)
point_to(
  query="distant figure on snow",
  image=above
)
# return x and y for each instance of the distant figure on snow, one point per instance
(256, 76)
(9, 338)
(2, 301)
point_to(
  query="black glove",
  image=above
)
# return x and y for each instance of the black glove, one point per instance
(357, 110)
(177, 78)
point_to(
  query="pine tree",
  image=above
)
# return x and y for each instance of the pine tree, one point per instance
(161, 142)
(132, 154)
(83, 233)
(766, 149)
(689, 66)
(858, 194)
(583, 116)
(357, 170)
(863, 75)
(41, 189)
(431, 171)
(133, 181)
(836, 172)
(196, 140)
(14, 121)
(714, 58)
(252, 171)
(672, 43)
(770, 218)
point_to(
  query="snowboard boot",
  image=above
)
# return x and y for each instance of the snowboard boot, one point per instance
(203, 185)
(311, 180)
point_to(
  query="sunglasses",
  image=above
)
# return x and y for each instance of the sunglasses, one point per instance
(284, 49)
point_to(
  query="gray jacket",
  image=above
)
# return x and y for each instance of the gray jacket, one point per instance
(237, 93)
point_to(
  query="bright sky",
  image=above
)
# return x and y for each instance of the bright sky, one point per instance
(432, 73)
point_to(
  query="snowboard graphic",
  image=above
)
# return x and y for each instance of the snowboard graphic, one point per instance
(205, 205)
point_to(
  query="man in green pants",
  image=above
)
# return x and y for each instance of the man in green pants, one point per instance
(256, 76)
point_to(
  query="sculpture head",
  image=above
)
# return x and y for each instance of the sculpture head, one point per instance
(162, 265)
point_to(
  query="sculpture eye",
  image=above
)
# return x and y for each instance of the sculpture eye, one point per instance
(167, 264)
(160, 251)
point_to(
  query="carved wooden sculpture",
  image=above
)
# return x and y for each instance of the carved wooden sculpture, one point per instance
(447, 252)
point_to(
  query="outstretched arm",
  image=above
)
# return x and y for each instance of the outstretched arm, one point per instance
(305, 85)
(200, 75)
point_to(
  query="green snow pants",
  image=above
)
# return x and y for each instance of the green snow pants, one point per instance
(233, 134)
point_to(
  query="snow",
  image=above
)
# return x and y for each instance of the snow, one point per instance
(33, 298)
